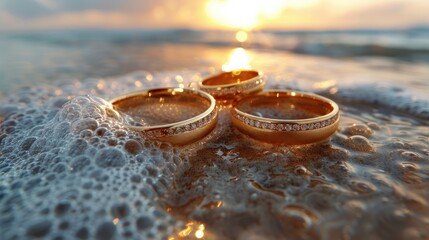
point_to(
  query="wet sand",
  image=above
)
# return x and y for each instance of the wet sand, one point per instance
(70, 169)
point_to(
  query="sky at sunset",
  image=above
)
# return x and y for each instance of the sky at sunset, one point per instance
(213, 14)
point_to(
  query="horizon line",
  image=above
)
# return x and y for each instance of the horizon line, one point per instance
(357, 29)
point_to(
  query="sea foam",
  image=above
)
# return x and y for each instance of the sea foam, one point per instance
(70, 169)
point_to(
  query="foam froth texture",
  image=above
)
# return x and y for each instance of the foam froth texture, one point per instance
(69, 169)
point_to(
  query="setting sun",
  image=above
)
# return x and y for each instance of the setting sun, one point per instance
(214, 119)
(248, 14)
(241, 36)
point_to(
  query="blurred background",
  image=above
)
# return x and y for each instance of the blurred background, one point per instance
(46, 40)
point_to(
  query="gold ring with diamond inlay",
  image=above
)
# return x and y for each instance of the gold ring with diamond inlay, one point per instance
(175, 115)
(233, 85)
(286, 117)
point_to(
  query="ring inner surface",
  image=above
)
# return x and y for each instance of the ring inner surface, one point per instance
(230, 77)
(284, 107)
(162, 107)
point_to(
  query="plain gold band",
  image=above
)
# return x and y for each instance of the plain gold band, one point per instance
(178, 133)
(287, 131)
(233, 85)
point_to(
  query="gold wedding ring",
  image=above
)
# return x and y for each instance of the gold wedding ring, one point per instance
(233, 85)
(175, 115)
(286, 117)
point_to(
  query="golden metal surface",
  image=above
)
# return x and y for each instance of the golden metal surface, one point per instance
(180, 132)
(233, 85)
(320, 121)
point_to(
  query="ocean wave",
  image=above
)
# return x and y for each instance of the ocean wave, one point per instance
(405, 44)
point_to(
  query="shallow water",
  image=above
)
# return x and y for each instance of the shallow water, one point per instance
(41, 57)
(70, 169)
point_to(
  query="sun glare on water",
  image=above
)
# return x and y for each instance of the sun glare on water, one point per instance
(248, 14)
(239, 59)
(244, 16)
